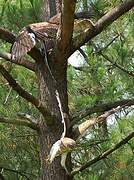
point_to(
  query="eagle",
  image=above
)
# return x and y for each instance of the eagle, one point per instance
(30, 35)
(43, 31)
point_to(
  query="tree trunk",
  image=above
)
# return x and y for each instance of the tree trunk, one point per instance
(51, 131)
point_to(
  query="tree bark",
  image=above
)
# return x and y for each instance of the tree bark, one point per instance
(50, 131)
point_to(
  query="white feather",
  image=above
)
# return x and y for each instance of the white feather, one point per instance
(54, 150)
(32, 36)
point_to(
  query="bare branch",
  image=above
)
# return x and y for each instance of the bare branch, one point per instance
(99, 108)
(104, 154)
(102, 23)
(25, 94)
(22, 62)
(19, 122)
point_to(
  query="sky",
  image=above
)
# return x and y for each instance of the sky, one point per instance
(76, 59)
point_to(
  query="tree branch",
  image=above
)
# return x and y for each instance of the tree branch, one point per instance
(24, 174)
(66, 29)
(106, 46)
(99, 108)
(130, 73)
(104, 154)
(23, 62)
(19, 122)
(89, 123)
(85, 14)
(7, 35)
(101, 24)
(25, 94)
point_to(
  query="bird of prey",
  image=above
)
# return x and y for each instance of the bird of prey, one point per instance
(62, 147)
(64, 144)
(43, 31)
(31, 34)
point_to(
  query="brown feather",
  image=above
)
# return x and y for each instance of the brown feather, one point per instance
(25, 40)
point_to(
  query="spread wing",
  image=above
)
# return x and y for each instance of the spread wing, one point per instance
(26, 40)
(23, 44)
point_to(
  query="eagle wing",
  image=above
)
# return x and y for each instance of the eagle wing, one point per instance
(27, 38)
(23, 44)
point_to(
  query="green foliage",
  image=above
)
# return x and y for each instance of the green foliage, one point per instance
(16, 14)
(19, 150)
(99, 82)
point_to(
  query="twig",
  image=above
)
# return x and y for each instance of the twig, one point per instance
(104, 154)
(130, 73)
(8, 95)
(24, 174)
(106, 46)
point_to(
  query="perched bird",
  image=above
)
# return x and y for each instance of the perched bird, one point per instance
(61, 147)
(43, 31)
(30, 35)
